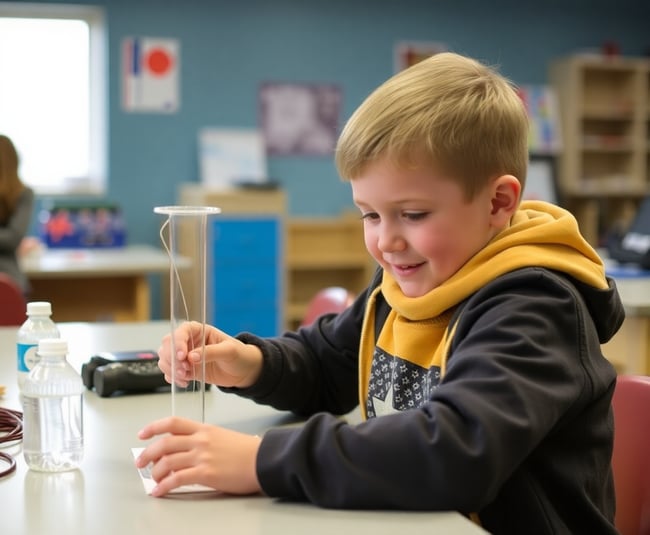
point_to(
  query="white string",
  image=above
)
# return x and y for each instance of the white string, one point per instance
(174, 271)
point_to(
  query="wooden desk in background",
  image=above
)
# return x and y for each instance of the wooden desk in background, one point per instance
(96, 284)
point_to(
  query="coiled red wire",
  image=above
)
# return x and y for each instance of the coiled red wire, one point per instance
(11, 430)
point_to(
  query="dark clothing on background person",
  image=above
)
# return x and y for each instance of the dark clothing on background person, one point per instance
(12, 233)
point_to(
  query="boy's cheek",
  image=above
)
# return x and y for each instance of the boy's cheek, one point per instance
(375, 252)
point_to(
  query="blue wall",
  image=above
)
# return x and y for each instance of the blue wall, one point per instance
(229, 48)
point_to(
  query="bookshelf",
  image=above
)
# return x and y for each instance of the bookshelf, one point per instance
(605, 117)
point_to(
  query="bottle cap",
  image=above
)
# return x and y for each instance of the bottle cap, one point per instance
(39, 308)
(52, 346)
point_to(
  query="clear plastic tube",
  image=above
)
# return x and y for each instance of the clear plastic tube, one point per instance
(187, 225)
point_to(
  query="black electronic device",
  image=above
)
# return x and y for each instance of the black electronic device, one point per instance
(126, 372)
(633, 247)
(139, 376)
(108, 357)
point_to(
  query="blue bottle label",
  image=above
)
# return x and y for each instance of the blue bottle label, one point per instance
(26, 357)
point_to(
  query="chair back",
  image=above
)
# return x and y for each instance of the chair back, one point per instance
(330, 299)
(631, 458)
(13, 305)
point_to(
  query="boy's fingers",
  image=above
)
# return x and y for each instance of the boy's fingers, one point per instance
(165, 447)
(172, 425)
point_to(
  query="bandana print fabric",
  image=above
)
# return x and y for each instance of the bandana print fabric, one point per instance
(398, 385)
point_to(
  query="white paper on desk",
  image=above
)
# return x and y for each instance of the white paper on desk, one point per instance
(149, 483)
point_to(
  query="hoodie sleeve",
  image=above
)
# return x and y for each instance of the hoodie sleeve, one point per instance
(313, 369)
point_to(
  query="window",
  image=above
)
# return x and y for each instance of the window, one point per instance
(53, 96)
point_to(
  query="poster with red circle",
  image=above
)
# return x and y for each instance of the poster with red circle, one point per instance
(150, 74)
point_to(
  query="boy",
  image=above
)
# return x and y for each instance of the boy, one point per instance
(474, 353)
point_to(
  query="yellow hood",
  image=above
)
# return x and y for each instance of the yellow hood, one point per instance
(540, 234)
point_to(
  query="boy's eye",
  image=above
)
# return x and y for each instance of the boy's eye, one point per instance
(415, 216)
(370, 215)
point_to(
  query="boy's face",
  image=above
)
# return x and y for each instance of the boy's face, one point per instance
(418, 225)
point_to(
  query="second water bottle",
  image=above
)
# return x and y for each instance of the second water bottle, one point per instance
(53, 411)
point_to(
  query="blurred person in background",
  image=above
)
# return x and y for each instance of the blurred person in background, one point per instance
(16, 207)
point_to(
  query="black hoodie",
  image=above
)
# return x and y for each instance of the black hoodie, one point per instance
(513, 421)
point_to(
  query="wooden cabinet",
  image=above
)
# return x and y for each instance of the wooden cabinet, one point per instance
(323, 252)
(605, 114)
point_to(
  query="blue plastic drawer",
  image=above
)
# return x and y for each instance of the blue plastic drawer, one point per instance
(257, 320)
(246, 284)
(251, 239)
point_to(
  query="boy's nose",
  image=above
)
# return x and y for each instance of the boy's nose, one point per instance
(389, 240)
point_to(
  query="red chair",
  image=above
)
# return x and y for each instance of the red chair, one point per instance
(631, 458)
(13, 305)
(330, 299)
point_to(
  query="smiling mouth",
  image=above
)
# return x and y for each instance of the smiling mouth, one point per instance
(406, 268)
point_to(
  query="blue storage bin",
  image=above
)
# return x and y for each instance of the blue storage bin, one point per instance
(77, 225)
(245, 278)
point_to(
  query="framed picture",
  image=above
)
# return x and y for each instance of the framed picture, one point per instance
(408, 53)
(541, 182)
(299, 119)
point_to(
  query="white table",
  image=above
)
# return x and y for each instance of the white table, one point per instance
(96, 284)
(106, 495)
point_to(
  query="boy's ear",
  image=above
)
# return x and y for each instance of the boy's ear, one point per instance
(506, 191)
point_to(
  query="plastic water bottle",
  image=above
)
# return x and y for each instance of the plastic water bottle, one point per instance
(39, 325)
(53, 411)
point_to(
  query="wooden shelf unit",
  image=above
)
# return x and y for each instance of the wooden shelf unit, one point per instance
(323, 252)
(603, 170)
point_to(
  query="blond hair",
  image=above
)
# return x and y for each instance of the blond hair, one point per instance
(10, 184)
(449, 111)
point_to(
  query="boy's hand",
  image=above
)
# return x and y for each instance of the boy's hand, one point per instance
(194, 453)
(228, 361)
